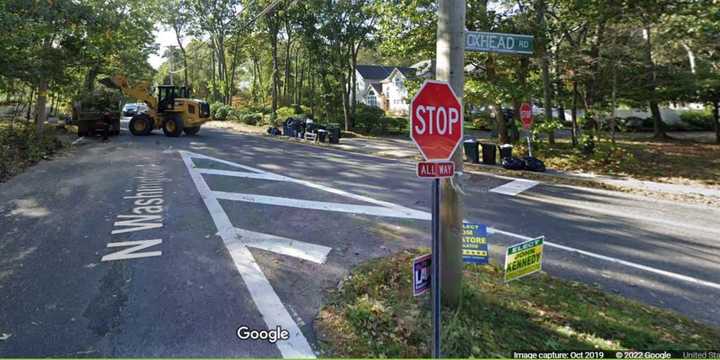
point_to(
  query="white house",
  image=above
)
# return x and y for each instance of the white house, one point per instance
(384, 87)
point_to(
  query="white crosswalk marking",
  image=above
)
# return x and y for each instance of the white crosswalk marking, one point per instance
(238, 240)
(514, 187)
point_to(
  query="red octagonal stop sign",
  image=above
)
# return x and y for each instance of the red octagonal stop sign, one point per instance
(436, 120)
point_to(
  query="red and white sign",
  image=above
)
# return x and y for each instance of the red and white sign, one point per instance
(429, 169)
(436, 121)
(526, 115)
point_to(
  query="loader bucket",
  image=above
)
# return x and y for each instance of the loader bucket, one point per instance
(109, 83)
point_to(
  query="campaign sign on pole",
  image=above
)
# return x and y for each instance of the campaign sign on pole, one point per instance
(475, 247)
(524, 258)
(421, 274)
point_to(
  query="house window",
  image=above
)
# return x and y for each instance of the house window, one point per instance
(398, 82)
(371, 99)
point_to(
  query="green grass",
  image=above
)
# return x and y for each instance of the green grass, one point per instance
(373, 314)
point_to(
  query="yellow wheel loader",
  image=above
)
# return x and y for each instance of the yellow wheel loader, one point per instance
(172, 110)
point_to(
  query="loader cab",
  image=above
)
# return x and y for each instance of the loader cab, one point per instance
(167, 95)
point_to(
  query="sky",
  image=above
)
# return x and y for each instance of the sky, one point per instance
(163, 37)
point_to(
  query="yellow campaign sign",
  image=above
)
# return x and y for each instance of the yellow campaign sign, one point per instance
(524, 258)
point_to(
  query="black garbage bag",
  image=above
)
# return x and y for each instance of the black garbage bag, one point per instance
(513, 163)
(534, 164)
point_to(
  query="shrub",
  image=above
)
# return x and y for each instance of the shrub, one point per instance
(285, 112)
(214, 107)
(368, 119)
(251, 118)
(222, 112)
(21, 146)
(698, 120)
(395, 125)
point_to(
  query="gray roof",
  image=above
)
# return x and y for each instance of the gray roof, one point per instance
(381, 72)
(377, 87)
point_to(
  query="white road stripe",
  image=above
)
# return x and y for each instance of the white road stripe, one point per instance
(242, 174)
(266, 300)
(418, 214)
(78, 140)
(626, 215)
(320, 205)
(421, 215)
(281, 245)
(514, 187)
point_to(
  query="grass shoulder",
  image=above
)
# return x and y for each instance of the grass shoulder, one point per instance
(373, 314)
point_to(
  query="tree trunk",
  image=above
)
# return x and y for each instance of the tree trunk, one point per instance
(353, 65)
(500, 123)
(90, 78)
(659, 130)
(574, 113)
(272, 20)
(545, 68)
(182, 51)
(716, 116)
(30, 103)
(613, 103)
(559, 90)
(213, 92)
(288, 45)
(40, 110)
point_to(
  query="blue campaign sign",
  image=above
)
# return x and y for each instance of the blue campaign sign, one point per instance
(475, 247)
(421, 274)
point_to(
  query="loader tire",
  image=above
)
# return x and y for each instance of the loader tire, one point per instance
(192, 130)
(173, 126)
(140, 125)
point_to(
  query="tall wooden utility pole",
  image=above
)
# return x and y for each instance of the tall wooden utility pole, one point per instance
(450, 58)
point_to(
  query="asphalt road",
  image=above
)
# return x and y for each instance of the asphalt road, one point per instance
(251, 231)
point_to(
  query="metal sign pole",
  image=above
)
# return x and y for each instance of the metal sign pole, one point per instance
(435, 279)
(529, 137)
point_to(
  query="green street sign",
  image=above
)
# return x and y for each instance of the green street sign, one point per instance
(498, 42)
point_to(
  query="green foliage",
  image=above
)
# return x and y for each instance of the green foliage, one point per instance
(285, 112)
(21, 146)
(698, 120)
(220, 111)
(369, 119)
(100, 99)
(543, 126)
(252, 118)
(483, 122)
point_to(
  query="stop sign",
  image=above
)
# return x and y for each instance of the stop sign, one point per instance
(526, 115)
(436, 120)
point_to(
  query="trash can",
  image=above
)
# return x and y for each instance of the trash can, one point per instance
(322, 134)
(286, 129)
(333, 134)
(488, 153)
(471, 151)
(505, 151)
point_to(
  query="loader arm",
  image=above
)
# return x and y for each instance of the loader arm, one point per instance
(139, 90)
